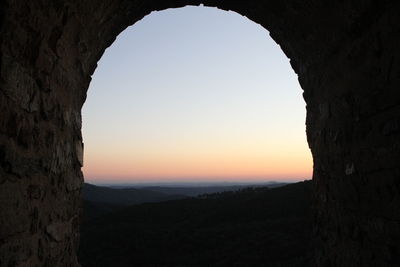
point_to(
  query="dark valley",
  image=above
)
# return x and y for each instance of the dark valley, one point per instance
(256, 226)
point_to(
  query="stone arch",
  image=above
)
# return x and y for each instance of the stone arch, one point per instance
(346, 59)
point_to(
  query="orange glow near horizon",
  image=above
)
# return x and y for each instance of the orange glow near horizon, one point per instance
(206, 164)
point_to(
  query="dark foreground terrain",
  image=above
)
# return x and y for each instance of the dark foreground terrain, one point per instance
(249, 227)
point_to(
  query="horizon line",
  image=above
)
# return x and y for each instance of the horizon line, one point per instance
(192, 182)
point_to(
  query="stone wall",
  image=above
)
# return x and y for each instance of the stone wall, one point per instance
(344, 52)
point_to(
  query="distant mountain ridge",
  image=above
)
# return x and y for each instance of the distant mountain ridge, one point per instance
(130, 195)
(100, 200)
(125, 196)
(194, 191)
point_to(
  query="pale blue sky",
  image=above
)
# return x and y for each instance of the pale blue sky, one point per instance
(199, 80)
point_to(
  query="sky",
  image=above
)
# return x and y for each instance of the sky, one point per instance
(194, 94)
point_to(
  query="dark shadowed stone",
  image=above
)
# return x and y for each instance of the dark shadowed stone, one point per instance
(346, 55)
(59, 231)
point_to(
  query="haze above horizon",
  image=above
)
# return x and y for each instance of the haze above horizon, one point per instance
(194, 94)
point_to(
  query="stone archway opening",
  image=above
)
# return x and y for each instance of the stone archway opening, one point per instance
(208, 87)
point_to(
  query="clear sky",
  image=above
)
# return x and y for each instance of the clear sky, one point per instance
(195, 94)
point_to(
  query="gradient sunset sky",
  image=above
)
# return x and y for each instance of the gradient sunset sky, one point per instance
(194, 94)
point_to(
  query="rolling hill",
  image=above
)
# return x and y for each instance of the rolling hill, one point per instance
(249, 227)
(124, 196)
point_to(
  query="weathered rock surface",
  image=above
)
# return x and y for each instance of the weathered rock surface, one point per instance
(345, 54)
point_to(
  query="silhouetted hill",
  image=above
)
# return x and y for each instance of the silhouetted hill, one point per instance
(96, 209)
(100, 200)
(249, 227)
(194, 191)
(125, 196)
